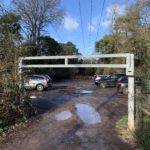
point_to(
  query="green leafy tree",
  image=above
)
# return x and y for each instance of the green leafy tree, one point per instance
(107, 45)
(134, 30)
(131, 35)
(69, 49)
(14, 106)
(9, 36)
(49, 47)
(10, 28)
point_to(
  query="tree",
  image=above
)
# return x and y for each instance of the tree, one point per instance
(9, 26)
(69, 49)
(107, 45)
(9, 36)
(134, 30)
(14, 104)
(48, 46)
(131, 35)
(36, 15)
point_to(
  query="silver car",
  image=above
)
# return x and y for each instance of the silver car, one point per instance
(38, 82)
(100, 77)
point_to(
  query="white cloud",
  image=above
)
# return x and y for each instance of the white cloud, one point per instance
(69, 23)
(107, 23)
(114, 10)
(91, 48)
(93, 25)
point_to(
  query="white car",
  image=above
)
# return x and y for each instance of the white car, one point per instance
(38, 82)
(99, 77)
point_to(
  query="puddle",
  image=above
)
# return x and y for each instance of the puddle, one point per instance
(87, 114)
(33, 97)
(86, 92)
(75, 92)
(83, 92)
(64, 115)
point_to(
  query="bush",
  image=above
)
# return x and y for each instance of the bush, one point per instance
(143, 133)
(15, 105)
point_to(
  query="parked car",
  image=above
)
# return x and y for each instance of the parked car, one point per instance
(38, 82)
(49, 80)
(110, 81)
(122, 85)
(100, 77)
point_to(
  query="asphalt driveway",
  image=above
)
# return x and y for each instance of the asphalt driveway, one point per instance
(74, 115)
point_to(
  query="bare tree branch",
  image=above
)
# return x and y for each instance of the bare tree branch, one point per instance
(37, 14)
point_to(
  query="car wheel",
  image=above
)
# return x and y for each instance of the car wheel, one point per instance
(103, 85)
(39, 87)
(125, 91)
(51, 85)
(119, 90)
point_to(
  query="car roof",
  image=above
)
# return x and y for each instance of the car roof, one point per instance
(36, 76)
(126, 77)
(40, 75)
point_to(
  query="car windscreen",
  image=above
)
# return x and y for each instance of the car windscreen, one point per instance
(36, 77)
(103, 77)
(123, 79)
(32, 77)
(113, 77)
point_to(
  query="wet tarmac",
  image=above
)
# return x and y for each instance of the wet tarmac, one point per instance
(71, 120)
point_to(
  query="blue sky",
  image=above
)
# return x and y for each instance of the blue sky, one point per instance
(70, 29)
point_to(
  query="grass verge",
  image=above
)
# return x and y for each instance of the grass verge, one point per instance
(140, 136)
(124, 132)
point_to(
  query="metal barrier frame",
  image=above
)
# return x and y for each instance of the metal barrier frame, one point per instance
(129, 66)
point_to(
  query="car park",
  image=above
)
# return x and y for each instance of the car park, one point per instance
(110, 81)
(38, 82)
